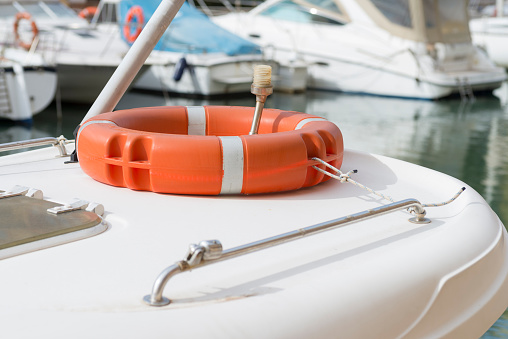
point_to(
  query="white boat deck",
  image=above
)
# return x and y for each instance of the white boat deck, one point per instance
(383, 277)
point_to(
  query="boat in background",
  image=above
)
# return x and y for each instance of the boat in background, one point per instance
(84, 58)
(27, 84)
(414, 49)
(86, 54)
(195, 57)
(435, 270)
(489, 32)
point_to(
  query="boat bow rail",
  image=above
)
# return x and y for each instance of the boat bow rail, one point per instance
(210, 251)
(59, 143)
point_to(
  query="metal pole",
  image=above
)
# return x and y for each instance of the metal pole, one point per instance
(262, 88)
(500, 8)
(57, 142)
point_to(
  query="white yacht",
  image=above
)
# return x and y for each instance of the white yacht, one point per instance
(196, 57)
(401, 48)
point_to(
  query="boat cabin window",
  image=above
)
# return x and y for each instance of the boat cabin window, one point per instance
(330, 7)
(291, 11)
(39, 10)
(397, 11)
(428, 21)
(107, 14)
(61, 10)
(7, 11)
(446, 21)
(36, 11)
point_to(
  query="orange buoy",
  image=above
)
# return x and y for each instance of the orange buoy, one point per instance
(35, 31)
(207, 149)
(88, 13)
(135, 12)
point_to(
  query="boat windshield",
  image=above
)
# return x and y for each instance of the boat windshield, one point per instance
(428, 21)
(7, 11)
(302, 12)
(396, 11)
(192, 32)
(107, 13)
(447, 21)
(39, 10)
(61, 10)
(36, 11)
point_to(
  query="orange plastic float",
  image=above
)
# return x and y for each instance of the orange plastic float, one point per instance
(88, 13)
(35, 31)
(207, 149)
(135, 12)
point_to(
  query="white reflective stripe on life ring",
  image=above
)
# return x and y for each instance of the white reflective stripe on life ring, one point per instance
(91, 123)
(232, 164)
(305, 121)
(197, 120)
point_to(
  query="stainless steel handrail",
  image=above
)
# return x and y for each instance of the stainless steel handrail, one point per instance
(59, 143)
(210, 251)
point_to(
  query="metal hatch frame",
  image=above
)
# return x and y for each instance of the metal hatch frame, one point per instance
(30, 224)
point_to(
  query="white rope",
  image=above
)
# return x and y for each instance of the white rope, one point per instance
(346, 177)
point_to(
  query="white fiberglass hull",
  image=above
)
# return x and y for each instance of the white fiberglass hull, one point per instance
(361, 59)
(212, 75)
(41, 85)
(82, 83)
(491, 34)
(25, 91)
(379, 278)
(346, 76)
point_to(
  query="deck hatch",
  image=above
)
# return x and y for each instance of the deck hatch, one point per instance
(26, 226)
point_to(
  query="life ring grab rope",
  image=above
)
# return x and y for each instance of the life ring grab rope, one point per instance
(346, 178)
(232, 158)
(134, 13)
(35, 30)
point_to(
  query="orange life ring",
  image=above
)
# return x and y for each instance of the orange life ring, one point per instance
(207, 149)
(135, 12)
(88, 13)
(35, 30)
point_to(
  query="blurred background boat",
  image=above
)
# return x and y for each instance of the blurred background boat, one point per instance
(194, 57)
(489, 31)
(84, 58)
(416, 49)
(187, 61)
(27, 84)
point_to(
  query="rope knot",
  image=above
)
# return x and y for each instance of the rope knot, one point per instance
(344, 177)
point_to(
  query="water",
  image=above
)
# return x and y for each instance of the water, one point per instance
(468, 141)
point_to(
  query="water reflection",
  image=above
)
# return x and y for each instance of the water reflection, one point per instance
(12, 132)
(466, 140)
(499, 329)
